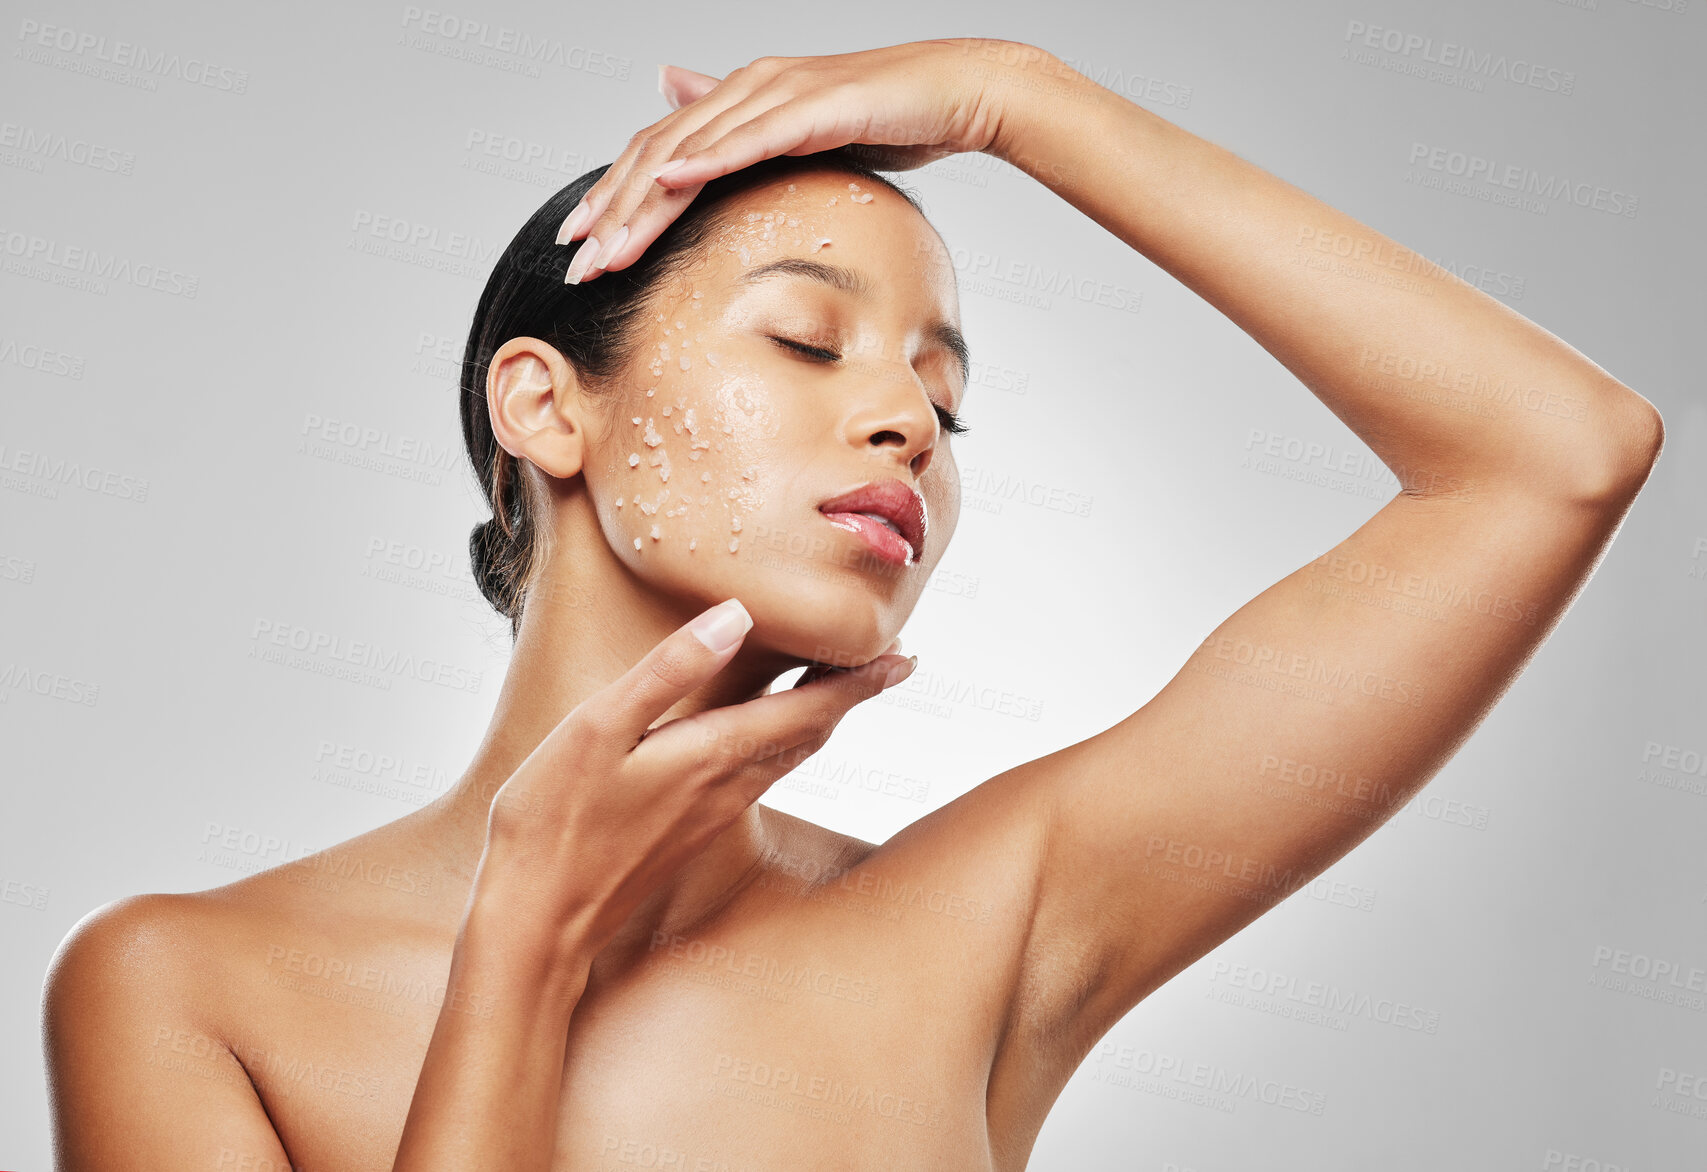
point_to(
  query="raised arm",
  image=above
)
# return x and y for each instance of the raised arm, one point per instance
(1517, 459)
(1363, 671)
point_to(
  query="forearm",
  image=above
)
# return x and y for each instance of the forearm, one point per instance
(1451, 389)
(488, 1093)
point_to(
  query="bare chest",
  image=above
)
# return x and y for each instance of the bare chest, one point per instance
(835, 1040)
(802, 1066)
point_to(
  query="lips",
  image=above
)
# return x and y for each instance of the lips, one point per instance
(882, 507)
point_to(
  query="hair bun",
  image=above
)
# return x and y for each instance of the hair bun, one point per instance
(485, 551)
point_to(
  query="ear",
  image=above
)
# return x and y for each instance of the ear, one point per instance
(533, 400)
(681, 86)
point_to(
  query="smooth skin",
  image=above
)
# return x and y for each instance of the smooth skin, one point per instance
(943, 986)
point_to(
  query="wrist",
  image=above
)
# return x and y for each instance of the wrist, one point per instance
(1022, 87)
(503, 919)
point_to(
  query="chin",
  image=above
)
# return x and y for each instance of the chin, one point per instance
(843, 619)
(817, 592)
(813, 609)
(834, 603)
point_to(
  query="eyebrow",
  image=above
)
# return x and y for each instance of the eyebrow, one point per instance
(852, 281)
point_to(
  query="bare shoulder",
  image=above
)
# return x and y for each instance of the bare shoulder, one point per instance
(129, 949)
(179, 949)
(136, 1068)
(160, 953)
(132, 951)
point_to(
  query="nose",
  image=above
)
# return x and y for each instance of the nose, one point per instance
(895, 420)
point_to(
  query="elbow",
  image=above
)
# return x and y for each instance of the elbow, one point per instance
(1630, 436)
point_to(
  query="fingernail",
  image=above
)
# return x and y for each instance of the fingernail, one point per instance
(661, 79)
(721, 627)
(901, 671)
(583, 258)
(609, 251)
(668, 167)
(574, 222)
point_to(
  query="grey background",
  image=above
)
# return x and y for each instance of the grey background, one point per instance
(131, 594)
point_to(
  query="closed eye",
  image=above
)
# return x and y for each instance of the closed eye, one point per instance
(949, 421)
(816, 352)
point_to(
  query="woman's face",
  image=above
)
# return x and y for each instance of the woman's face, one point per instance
(723, 442)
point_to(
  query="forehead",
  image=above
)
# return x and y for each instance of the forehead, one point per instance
(849, 221)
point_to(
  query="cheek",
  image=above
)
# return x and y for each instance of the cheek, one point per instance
(942, 499)
(688, 458)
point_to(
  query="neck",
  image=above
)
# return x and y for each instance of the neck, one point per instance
(565, 651)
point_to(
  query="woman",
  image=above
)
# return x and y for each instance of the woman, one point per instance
(733, 380)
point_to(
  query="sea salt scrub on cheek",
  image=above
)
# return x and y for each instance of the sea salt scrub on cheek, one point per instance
(696, 447)
(683, 443)
(743, 426)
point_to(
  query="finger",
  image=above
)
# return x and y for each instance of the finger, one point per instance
(640, 210)
(590, 220)
(638, 227)
(737, 735)
(819, 670)
(624, 710)
(640, 215)
(682, 86)
(654, 143)
(793, 128)
(582, 217)
(748, 784)
(576, 223)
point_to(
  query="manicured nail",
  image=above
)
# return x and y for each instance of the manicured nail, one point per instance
(721, 627)
(609, 251)
(583, 258)
(574, 222)
(901, 671)
(668, 167)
